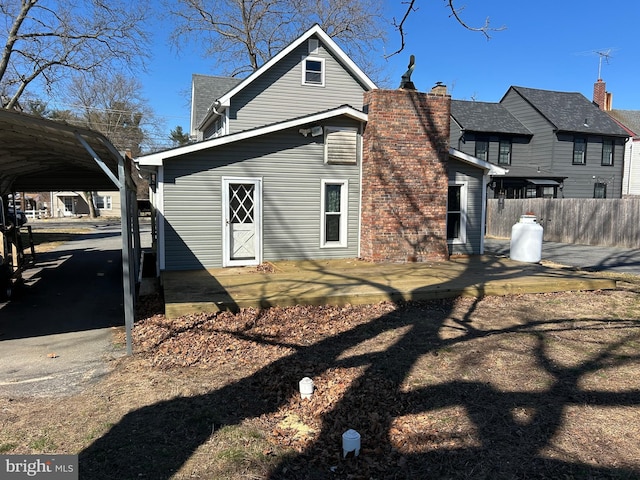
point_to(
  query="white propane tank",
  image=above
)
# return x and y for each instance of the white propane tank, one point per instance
(526, 240)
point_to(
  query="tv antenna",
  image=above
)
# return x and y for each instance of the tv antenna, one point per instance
(606, 54)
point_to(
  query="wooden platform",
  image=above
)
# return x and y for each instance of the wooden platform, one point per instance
(340, 282)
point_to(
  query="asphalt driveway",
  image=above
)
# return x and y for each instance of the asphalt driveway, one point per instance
(58, 333)
(585, 257)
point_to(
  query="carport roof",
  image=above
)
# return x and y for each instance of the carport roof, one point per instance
(37, 154)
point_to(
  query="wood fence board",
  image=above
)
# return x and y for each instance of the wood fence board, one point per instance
(608, 222)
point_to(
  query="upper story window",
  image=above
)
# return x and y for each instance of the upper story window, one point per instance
(482, 150)
(504, 154)
(313, 71)
(579, 151)
(607, 152)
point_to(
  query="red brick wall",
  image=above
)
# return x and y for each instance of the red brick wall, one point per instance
(404, 176)
(599, 94)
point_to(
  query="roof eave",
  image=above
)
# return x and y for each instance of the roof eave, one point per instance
(157, 159)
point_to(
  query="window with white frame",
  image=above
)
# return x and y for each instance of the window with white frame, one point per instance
(341, 145)
(313, 71)
(333, 227)
(457, 213)
(103, 202)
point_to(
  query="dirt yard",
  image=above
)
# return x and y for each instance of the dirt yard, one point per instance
(530, 386)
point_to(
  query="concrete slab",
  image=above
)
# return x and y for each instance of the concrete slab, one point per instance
(340, 282)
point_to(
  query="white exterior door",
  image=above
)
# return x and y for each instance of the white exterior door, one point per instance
(241, 221)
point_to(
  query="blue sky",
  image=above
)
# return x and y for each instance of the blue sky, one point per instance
(546, 44)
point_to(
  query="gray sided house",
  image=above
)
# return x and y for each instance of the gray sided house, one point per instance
(312, 74)
(554, 144)
(318, 173)
(277, 192)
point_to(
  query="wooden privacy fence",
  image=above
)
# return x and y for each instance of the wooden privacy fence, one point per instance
(609, 222)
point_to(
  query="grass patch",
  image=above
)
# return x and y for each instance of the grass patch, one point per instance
(7, 447)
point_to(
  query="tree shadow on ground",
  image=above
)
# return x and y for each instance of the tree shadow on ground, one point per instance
(155, 441)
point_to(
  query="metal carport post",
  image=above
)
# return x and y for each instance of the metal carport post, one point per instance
(130, 232)
(40, 154)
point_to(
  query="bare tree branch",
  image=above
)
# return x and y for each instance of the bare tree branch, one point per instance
(455, 13)
(47, 40)
(241, 35)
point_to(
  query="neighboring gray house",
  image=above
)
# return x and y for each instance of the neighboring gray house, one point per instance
(554, 144)
(277, 172)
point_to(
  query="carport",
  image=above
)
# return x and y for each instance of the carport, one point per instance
(42, 155)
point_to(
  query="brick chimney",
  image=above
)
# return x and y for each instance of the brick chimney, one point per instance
(601, 97)
(404, 176)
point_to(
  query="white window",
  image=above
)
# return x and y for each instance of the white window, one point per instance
(341, 145)
(314, 45)
(313, 71)
(457, 213)
(333, 226)
(103, 202)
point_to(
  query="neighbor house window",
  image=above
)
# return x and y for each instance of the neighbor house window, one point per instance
(457, 213)
(103, 202)
(504, 155)
(333, 229)
(607, 152)
(482, 150)
(313, 71)
(341, 145)
(600, 190)
(579, 151)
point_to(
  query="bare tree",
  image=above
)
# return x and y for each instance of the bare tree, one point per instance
(112, 105)
(46, 40)
(241, 35)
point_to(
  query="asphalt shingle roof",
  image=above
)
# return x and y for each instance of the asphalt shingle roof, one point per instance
(206, 90)
(486, 117)
(571, 112)
(628, 118)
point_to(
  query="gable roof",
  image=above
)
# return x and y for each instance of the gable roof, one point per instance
(629, 119)
(224, 100)
(203, 89)
(156, 159)
(486, 117)
(569, 111)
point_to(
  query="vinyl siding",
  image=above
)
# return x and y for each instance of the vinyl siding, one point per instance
(279, 95)
(580, 181)
(553, 151)
(291, 168)
(459, 171)
(540, 149)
